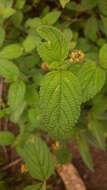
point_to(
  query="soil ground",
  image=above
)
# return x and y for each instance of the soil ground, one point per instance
(96, 180)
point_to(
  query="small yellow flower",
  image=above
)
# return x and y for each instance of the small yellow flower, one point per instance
(55, 146)
(77, 56)
(23, 168)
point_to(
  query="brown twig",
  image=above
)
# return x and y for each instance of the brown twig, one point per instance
(13, 163)
(70, 177)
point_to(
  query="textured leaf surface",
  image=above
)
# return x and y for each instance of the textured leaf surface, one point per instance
(103, 56)
(55, 48)
(12, 51)
(6, 138)
(16, 94)
(92, 79)
(60, 100)
(8, 70)
(37, 157)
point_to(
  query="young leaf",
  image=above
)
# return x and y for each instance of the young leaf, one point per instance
(6, 12)
(32, 96)
(92, 79)
(20, 4)
(30, 43)
(64, 2)
(60, 100)
(51, 17)
(37, 158)
(16, 114)
(12, 51)
(34, 116)
(103, 56)
(33, 23)
(17, 19)
(84, 151)
(104, 22)
(9, 70)
(16, 94)
(91, 32)
(6, 138)
(55, 48)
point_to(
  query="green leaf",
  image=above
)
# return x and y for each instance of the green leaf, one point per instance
(30, 43)
(6, 3)
(60, 100)
(16, 100)
(34, 116)
(6, 12)
(92, 79)
(37, 157)
(103, 56)
(88, 4)
(32, 96)
(68, 34)
(72, 6)
(51, 17)
(104, 21)
(91, 32)
(33, 187)
(17, 19)
(84, 150)
(17, 113)
(16, 94)
(64, 2)
(55, 48)
(102, 5)
(8, 70)
(2, 35)
(96, 128)
(6, 138)
(4, 112)
(33, 22)
(63, 155)
(20, 4)
(11, 51)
